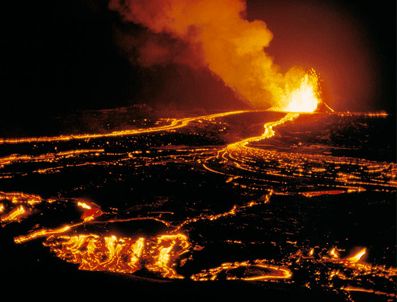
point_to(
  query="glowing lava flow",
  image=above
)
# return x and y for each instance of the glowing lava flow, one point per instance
(349, 274)
(98, 252)
(175, 124)
(47, 157)
(44, 233)
(16, 214)
(91, 242)
(369, 291)
(357, 256)
(258, 270)
(90, 211)
(303, 99)
(268, 131)
(16, 206)
(234, 150)
(232, 212)
(159, 254)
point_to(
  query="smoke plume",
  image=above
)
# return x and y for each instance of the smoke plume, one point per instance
(216, 35)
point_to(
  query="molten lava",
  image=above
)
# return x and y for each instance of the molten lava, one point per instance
(93, 252)
(306, 97)
(89, 238)
(258, 270)
(357, 256)
(301, 93)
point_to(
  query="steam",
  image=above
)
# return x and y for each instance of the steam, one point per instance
(216, 35)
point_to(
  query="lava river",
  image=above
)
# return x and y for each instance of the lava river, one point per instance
(263, 197)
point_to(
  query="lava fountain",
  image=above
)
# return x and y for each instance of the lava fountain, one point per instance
(306, 97)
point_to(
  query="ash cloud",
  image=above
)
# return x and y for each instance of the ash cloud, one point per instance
(149, 49)
(210, 34)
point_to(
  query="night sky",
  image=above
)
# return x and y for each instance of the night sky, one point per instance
(58, 57)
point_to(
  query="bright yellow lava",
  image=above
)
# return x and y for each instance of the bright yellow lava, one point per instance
(357, 256)
(306, 97)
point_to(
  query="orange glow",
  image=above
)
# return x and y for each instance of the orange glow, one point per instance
(95, 253)
(306, 97)
(301, 95)
(121, 254)
(21, 198)
(21, 206)
(357, 256)
(166, 250)
(232, 212)
(334, 253)
(165, 253)
(369, 291)
(232, 47)
(311, 194)
(90, 210)
(14, 215)
(258, 270)
(268, 132)
(84, 205)
(42, 233)
(174, 124)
